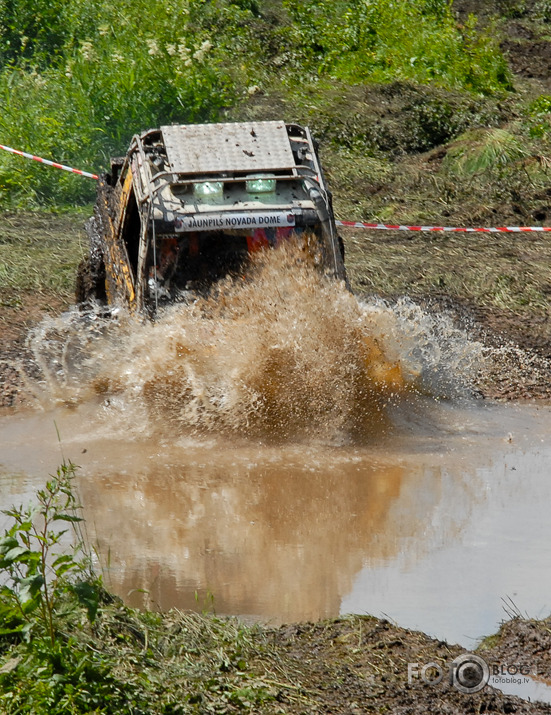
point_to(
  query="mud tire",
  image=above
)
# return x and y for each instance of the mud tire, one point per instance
(90, 281)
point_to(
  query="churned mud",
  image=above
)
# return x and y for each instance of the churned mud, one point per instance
(360, 665)
(524, 641)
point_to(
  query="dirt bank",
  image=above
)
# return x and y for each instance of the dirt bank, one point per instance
(360, 665)
(523, 641)
(179, 662)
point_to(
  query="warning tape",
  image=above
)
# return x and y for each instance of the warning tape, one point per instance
(48, 162)
(345, 224)
(449, 229)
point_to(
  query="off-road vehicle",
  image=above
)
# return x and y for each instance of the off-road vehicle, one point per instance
(188, 204)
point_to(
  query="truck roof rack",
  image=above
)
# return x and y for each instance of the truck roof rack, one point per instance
(181, 154)
(215, 148)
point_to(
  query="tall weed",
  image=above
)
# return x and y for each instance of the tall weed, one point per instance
(383, 40)
(38, 572)
(79, 77)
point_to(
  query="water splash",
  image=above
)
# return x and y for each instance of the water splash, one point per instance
(282, 352)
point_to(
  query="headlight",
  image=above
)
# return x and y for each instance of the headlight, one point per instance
(208, 189)
(260, 184)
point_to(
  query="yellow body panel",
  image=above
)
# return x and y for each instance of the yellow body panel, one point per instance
(118, 265)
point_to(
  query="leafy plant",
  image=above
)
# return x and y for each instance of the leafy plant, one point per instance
(40, 575)
(540, 106)
(543, 10)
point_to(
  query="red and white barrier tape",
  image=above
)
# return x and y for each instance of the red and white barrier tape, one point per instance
(345, 224)
(48, 162)
(448, 229)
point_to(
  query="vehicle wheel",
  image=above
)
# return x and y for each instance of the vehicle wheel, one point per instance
(90, 281)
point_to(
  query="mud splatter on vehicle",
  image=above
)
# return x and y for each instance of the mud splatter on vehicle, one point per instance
(189, 203)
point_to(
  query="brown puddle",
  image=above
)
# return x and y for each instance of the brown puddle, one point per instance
(269, 452)
(432, 526)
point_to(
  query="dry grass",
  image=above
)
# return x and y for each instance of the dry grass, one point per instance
(505, 271)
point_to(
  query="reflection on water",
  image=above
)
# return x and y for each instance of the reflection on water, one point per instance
(275, 535)
(432, 526)
(525, 687)
(503, 549)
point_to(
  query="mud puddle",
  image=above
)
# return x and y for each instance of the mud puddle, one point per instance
(285, 452)
(433, 525)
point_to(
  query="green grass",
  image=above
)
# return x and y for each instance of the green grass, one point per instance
(143, 663)
(77, 90)
(79, 77)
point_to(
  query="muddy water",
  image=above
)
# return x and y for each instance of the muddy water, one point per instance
(286, 452)
(433, 525)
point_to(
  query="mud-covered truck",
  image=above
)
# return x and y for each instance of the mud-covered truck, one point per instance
(188, 204)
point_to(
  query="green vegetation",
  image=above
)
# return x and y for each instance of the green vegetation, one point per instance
(388, 40)
(39, 252)
(79, 77)
(132, 663)
(44, 585)
(68, 646)
(39, 577)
